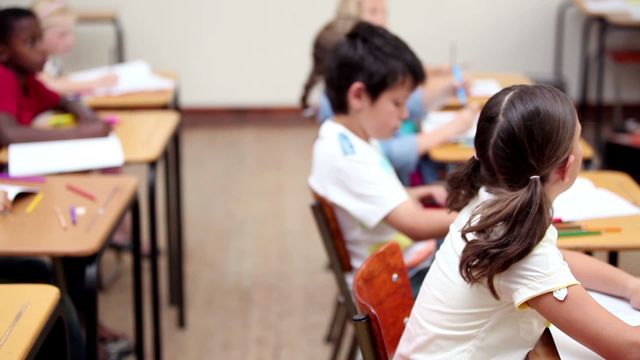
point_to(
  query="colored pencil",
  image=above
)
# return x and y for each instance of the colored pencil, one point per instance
(34, 203)
(81, 192)
(61, 219)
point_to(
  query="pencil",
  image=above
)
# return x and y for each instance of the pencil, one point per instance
(74, 216)
(81, 192)
(61, 220)
(603, 229)
(578, 233)
(34, 203)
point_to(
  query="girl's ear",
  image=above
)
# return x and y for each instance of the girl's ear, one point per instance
(357, 96)
(564, 171)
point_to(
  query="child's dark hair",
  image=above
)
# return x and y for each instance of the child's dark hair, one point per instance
(374, 56)
(323, 44)
(8, 19)
(524, 133)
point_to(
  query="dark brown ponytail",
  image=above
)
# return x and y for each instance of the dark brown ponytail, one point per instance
(524, 133)
(323, 44)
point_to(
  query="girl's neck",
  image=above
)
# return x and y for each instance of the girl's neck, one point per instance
(352, 123)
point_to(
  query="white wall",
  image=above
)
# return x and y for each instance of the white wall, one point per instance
(257, 53)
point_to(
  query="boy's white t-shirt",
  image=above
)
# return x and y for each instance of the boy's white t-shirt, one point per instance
(454, 320)
(363, 186)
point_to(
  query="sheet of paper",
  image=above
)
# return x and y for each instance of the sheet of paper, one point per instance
(13, 190)
(583, 201)
(607, 6)
(50, 157)
(570, 349)
(484, 87)
(437, 119)
(134, 76)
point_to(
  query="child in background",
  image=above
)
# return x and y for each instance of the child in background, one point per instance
(22, 96)
(58, 24)
(368, 81)
(408, 149)
(499, 279)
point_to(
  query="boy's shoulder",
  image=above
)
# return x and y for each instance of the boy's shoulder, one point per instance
(337, 141)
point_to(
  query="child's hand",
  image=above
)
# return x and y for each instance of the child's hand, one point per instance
(423, 254)
(94, 129)
(464, 119)
(438, 194)
(106, 81)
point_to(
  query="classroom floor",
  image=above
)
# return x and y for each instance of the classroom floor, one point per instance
(257, 286)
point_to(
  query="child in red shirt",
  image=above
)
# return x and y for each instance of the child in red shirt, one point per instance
(22, 96)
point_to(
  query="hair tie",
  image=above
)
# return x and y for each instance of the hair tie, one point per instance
(534, 177)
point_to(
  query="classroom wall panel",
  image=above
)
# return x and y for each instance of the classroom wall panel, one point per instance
(249, 53)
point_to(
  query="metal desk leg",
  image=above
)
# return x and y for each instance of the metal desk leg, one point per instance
(180, 242)
(600, 58)
(136, 236)
(117, 26)
(153, 240)
(171, 238)
(559, 45)
(584, 66)
(92, 282)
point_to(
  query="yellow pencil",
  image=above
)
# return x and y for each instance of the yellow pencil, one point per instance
(34, 203)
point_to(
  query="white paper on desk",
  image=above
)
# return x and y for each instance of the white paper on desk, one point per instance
(437, 119)
(13, 190)
(570, 349)
(50, 157)
(583, 201)
(484, 87)
(606, 6)
(134, 76)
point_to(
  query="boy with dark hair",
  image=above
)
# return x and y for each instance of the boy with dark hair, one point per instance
(369, 78)
(22, 96)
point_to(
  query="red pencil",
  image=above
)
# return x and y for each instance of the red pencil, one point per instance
(81, 192)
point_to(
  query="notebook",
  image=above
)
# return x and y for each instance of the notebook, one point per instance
(133, 77)
(50, 157)
(570, 349)
(484, 87)
(584, 201)
(437, 119)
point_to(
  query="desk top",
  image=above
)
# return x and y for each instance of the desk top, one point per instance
(32, 305)
(40, 232)
(629, 238)
(143, 100)
(144, 134)
(96, 15)
(505, 80)
(602, 10)
(456, 153)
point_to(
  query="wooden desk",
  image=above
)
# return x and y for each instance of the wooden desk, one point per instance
(109, 17)
(41, 234)
(27, 314)
(505, 80)
(629, 238)
(148, 137)
(457, 153)
(164, 99)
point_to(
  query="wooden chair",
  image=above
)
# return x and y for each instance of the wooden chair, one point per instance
(340, 263)
(383, 294)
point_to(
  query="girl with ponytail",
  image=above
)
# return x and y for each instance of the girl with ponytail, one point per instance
(499, 278)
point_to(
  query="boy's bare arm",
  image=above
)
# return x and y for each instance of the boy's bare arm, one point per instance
(419, 223)
(11, 132)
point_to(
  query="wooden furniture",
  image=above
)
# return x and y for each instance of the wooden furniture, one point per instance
(109, 17)
(163, 99)
(629, 236)
(41, 233)
(28, 314)
(505, 80)
(148, 137)
(382, 291)
(340, 263)
(458, 153)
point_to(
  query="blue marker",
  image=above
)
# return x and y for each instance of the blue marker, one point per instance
(460, 92)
